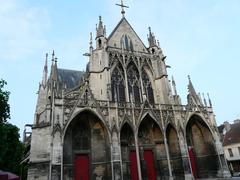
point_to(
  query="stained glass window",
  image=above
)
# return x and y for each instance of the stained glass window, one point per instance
(147, 87)
(117, 84)
(126, 43)
(134, 87)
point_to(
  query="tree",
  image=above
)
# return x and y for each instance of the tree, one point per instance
(4, 106)
(10, 146)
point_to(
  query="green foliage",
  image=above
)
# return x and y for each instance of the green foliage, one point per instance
(11, 148)
(4, 106)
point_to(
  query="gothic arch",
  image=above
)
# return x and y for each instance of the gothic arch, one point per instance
(152, 116)
(131, 60)
(117, 62)
(82, 111)
(127, 121)
(201, 148)
(202, 119)
(146, 65)
(82, 134)
(152, 149)
(128, 152)
(174, 151)
(148, 86)
(118, 84)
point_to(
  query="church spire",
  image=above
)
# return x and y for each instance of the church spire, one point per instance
(195, 97)
(151, 38)
(45, 71)
(209, 100)
(100, 28)
(54, 67)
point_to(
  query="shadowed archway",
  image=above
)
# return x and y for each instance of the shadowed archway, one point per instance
(86, 152)
(201, 149)
(152, 150)
(174, 152)
(129, 163)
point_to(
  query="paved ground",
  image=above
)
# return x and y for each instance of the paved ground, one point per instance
(233, 178)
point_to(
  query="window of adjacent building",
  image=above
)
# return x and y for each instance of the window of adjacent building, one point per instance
(239, 150)
(230, 152)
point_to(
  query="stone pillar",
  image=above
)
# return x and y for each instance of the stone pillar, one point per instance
(166, 145)
(185, 157)
(138, 156)
(116, 157)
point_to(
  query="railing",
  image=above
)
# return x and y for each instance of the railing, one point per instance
(164, 107)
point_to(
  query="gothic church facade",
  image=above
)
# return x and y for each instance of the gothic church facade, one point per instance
(122, 118)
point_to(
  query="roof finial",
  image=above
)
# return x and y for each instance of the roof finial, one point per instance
(209, 100)
(204, 100)
(90, 39)
(53, 54)
(149, 28)
(122, 6)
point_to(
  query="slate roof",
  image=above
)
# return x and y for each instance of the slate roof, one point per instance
(233, 135)
(69, 77)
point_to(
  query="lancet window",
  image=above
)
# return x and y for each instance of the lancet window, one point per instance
(126, 43)
(147, 87)
(117, 84)
(134, 87)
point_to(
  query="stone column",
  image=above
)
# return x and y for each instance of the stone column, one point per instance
(116, 157)
(185, 157)
(166, 145)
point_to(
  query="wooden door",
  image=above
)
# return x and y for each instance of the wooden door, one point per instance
(133, 165)
(192, 161)
(149, 159)
(82, 167)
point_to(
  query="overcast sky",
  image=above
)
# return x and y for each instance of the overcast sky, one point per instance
(199, 38)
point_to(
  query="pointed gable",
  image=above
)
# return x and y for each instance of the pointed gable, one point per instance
(124, 36)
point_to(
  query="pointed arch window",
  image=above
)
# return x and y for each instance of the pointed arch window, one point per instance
(147, 87)
(134, 87)
(117, 85)
(126, 43)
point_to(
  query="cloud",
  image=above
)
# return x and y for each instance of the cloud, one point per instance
(22, 29)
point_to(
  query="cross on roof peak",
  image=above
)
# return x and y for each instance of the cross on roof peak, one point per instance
(122, 6)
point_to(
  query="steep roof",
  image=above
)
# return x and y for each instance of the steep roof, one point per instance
(70, 78)
(233, 135)
(124, 27)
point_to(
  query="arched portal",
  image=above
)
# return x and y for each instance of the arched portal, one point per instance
(201, 149)
(152, 150)
(128, 150)
(174, 152)
(86, 153)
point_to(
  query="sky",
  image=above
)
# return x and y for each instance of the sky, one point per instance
(199, 38)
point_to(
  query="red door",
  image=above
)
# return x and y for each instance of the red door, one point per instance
(82, 167)
(133, 165)
(192, 161)
(149, 159)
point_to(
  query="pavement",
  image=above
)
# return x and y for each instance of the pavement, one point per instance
(233, 178)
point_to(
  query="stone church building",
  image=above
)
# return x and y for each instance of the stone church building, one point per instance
(122, 119)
